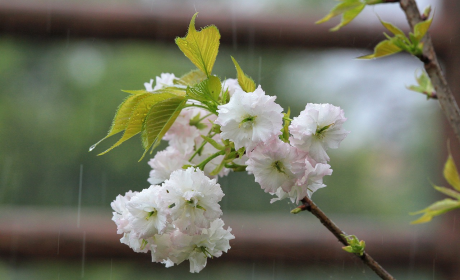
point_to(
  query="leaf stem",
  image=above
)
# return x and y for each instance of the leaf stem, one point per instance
(308, 204)
(201, 147)
(204, 117)
(198, 106)
(204, 162)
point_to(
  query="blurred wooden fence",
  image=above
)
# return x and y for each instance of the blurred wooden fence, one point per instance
(298, 239)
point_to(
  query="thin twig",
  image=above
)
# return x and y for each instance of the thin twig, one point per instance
(433, 69)
(337, 232)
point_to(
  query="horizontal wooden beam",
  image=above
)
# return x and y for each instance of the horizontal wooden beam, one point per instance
(59, 234)
(166, 23)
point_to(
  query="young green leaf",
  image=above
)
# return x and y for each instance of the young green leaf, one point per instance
(246, 83)
(348, 16)
(421, 28)
(136, 91)
(285, 130)
(214, 87)
(448, 192)
(196, 121)
(424, 86)
(206, 91)
(192, 78)
(393, 29)
(435, 209)
(138, 115)
(451, 173)
(354, 245)
(384, 48)
(340, 8)
(159, 119)
(426, 12)
(200, 47)
(123, 115)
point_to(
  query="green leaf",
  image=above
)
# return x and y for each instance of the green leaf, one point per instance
(421, 28)
(214, 87)
(413, 41)
(374, 2)
(246, 83)
(206, 91)
(393, 29)
(426, 12)
(285, 130)
(424, 85)
(451, 173)
(340, 9)
(448, 192)
(136, 91)
(200, 47)
(159, 119)
(355, 246)
(138, 115)
(192, 78)
(436, 209)
(123, 115)
(384, 48)
(348, 16)
(196, 122)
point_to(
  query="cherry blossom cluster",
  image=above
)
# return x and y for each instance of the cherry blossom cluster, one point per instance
(176, 221)
(179, 219)
(295, 167)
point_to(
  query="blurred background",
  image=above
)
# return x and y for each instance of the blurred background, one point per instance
(63, 65)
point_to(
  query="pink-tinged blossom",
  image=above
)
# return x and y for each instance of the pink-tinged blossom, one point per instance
(195, 198)
(197, 248)
(318, 128)
(148, 212)
(231, 85)
(250, 118)
(276, 164)
(138, 245)
(311, 181)
(164, 163)
(161, 248)
(186, 130)
(121, 214)
(165, 80)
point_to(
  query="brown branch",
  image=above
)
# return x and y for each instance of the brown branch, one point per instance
(433, 69)
(337, 232)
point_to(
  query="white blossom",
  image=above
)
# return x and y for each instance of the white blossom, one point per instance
(231, 85)
(195, 198)
(318, 128)
(197, 248)
(139, 245)
(249, 118)
(186, 130)
(311, 181)
(148, 212)
(161, 248)
(313, 176)
(121, 214)
(164, 163)
(165, 80)
(275, 164)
